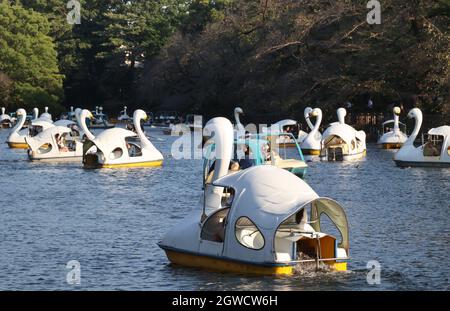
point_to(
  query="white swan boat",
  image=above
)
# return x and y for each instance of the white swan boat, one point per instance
(5, 120)
(394, 132)
(56, 143)
(435, 152)
(16, 138)
(260, 220)
(118, 147)
(341, 142)
(311, 145)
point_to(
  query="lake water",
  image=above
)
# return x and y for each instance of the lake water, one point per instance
(111, 220)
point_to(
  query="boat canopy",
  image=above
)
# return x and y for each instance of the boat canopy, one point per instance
(286, 122)
(108, 140)
(268, 196)
(441, 130)
(344, 131)
(392, 121)
(65, 123)
(44, 124)
(336, 214)
(47, 136)
(267, 201)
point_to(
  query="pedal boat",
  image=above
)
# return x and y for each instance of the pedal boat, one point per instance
(5, 120)
(121, 148)
(393, 132)
(434, 152)
(256, 221)
(44, 147)
(311, 145)
(341, 142)
(16, 138)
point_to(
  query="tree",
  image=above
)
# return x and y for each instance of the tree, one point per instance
(278, 56)
(29, 58)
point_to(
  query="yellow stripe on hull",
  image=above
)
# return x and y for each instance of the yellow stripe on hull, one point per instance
(392, 145)
(128, 165)
(223, 265)
(18, 145)
(287, 145)
(314, 152)
(198, 261)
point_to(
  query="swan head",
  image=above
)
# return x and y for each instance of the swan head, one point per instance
(140, 114)
(238, 110)
(46, 109)
(307, 111)
(397, 111)
(314, 112)
(86, 114)
(341, 113)
(414, 113)
(21, 112)
(71, 108)
(3, 110)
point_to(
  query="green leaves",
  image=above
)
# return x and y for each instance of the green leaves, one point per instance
(28, 57)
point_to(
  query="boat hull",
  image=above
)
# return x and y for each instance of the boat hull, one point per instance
(391, 145)
(421, 164)
(346, 157)
(234, 266)
(93, 164)
(13, 145)
(313, 152)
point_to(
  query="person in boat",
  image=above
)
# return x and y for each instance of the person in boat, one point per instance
(431, 150)
(61, 144)
(247, 160)
(265, 150)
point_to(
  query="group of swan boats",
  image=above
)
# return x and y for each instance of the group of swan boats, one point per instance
(260, 219)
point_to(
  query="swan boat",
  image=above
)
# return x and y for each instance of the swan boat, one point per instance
(59, 142)
(260, 220)
(435, 152)
(341, 142)
(16, 138)
(311, 145)
(291, 126)
(100, 120)
(46, 116)
(394, 132)
(118, 147)
(123, 116)
(5, 120)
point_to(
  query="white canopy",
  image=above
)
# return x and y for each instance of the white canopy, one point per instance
(344, 131)
(287, 122)
(46, 136)
(441, 130)
(44, 124)
(267, 194)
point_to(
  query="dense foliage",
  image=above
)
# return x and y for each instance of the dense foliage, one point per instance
(29, 72)
(272, 57)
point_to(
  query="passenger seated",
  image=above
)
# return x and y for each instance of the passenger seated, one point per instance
(430, 150)
(61, 143)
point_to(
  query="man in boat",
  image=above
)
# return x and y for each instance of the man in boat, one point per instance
(247, 161)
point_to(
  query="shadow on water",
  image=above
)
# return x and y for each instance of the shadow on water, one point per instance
(111, 221)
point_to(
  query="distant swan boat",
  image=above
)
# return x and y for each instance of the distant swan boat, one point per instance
(435, 152)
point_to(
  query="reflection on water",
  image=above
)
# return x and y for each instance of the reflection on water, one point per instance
(111, 220)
